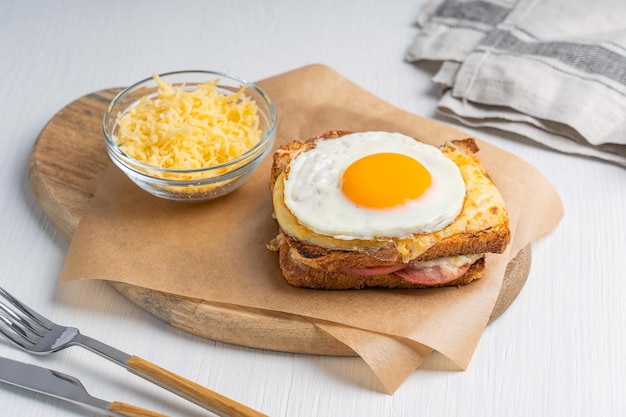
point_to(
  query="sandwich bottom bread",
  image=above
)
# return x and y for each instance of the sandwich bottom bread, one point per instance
(380, 209)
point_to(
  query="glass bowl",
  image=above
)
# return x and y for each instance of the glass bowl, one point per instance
(190, 184)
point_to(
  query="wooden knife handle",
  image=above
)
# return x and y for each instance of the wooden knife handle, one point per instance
(132, 411)
(189, 390)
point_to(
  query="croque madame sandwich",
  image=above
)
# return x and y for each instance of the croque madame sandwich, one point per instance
(381, 209)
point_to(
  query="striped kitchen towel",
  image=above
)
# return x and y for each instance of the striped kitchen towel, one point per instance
(553, 71)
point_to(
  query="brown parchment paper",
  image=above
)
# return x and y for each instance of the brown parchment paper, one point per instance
(216, 251)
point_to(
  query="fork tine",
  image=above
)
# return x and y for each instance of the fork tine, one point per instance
(18, 323)
(13, 319)
(27, 312)
(14, 333)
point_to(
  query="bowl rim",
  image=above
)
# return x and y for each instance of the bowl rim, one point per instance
(137, 166)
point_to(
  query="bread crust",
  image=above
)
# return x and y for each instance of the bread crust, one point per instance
(305, 264)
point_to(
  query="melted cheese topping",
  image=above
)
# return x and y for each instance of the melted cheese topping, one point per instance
(477, 214)
(183, 128)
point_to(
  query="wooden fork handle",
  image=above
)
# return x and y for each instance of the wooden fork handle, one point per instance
(132, 411)
(202, 396)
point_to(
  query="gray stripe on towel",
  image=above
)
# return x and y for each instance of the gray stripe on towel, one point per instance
(590, 58)
(472, 11)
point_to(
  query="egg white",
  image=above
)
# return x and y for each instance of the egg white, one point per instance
(312, 189)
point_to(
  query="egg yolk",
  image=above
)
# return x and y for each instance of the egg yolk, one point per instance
(384, 180)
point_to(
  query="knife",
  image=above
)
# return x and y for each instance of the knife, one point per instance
(64, 387)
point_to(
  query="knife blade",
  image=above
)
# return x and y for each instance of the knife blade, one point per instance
(62, 386)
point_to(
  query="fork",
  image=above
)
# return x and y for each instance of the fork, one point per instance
(36, 334)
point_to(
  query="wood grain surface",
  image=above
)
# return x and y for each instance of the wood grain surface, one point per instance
(68, 155)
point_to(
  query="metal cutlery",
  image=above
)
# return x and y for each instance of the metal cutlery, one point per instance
(36, 334)
(65, 387)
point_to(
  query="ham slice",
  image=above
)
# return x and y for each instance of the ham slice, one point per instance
(435, 272)
(432, 275)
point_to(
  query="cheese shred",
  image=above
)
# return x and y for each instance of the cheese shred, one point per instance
(184, 129)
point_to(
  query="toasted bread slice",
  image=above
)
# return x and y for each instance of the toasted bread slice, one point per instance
(299, 275)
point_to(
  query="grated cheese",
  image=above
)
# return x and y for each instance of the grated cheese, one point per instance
(189, 129)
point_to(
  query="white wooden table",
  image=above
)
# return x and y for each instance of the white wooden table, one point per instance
(558, 351)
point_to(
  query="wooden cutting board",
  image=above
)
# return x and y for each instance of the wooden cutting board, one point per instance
(70, 152)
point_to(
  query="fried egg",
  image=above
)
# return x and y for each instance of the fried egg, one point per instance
(369, 185)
